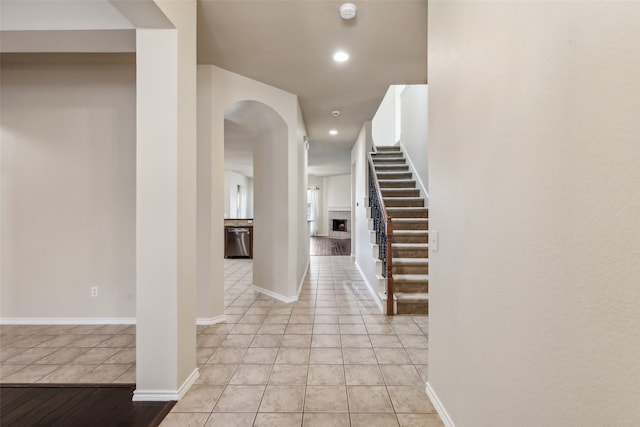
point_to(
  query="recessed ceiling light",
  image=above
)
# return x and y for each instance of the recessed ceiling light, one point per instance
(335, 113)
(341, 56)
(333, 132)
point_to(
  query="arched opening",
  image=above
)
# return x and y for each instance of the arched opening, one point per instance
(255, 147)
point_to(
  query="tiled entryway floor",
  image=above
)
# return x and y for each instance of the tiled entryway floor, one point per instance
(329, 359)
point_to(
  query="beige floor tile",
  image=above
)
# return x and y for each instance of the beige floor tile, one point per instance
(176, 419)
(216, 374)
(326, 399)
(379, 329)
(423, 371)
(278, 420)
(199, 398)
(240, 398)
(298, 329)
(291, 356)
(260, 356)
(266, 341)
(390, 341)
(325, 341)
(129, 377)
(353, 341)
(251, 374)
(272, 329)
(234, 419)
(237, 341)
(401, 375)
(118, 341)
(319, 419)
(203, 354)
(7, 370)
(104, 374)
(325, 318)
(326, 356)
(414, 341)
(407, 329)
(29, 356)
(420, 420)
(283, 398)
(374, 420)
(290, 340)
(62, 356)
(369, 399)
(33, 340)
(209, 340)
(9, 352)
(245, 328)
(326, 375)
(95, 356)
(65, 340)
(363, 375)
(359, 356)
(326, 328)
(68, 374)
(353, 329)
(30, 374)
(126, 355)
(410, 400)
(91, 340)
(419, 356)
(289, 375)
(227, 355)
(392, 356)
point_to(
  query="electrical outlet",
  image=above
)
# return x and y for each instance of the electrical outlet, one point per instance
(94, 291)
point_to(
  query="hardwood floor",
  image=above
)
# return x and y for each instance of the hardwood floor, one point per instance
(330, 247)
(74, 405)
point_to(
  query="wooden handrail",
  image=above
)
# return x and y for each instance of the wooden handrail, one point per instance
(389, 235)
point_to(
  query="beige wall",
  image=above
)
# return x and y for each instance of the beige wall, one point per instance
(534, 173)
(68, 186)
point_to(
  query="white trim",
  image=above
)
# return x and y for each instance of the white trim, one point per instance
(423, 191)
(67, 321)
(166, 395)
(210, 320)
(274, 294)
(371, 290)
(301, 284)
(444, 415)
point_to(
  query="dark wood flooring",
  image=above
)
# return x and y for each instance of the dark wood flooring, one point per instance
(74, 405)
(327, 246)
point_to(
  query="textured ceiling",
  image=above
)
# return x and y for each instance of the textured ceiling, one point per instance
(289, 44)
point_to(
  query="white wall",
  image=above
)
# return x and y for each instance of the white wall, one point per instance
(231, 181)
(383, 125)
(68, 187)
(414, 136)
(534, 174)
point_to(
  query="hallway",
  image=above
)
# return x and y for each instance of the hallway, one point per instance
(329, 359)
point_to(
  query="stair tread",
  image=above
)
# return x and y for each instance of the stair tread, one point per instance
(408, 208)
(410, 245)
(411, 296)
(402, 198)
(411, 232)
(411, 277)
(410, 219)
(411, 261)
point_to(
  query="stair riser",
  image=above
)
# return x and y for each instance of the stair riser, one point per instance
(410, 287)
(410, 239)
(410, 269)
(388, 148)
(388, 160)
(392, 168)
(397, 184)
(410, 253)
(413, 308)
(393, 175)
(392, 202)
(411, 225)
(408, 213)
(400, 193)
(384, 154)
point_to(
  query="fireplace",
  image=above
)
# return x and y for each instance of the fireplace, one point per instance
(339, 225)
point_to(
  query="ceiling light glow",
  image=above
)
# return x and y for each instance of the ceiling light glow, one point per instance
(333, 132)
(341, 56)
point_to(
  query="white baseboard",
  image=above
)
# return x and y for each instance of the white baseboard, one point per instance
(274, 294)
(166, 395)
(210, 320)
(67, 321)
(444, 415)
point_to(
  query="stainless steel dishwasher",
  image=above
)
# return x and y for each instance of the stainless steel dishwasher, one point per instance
(238, 242)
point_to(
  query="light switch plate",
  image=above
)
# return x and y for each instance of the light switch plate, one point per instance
(433, 241)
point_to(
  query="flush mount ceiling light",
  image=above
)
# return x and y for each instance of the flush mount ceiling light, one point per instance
(333, 132)
(348, 11)
(341, 56)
